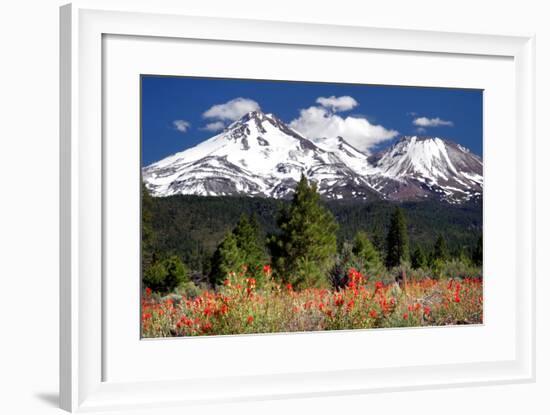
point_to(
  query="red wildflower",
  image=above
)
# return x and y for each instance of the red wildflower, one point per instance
(373, 313)
(148, 292)
(184, 321)
(147, 316)
(249, 319)
(355, 278)
(267, 269)
(206, 327)
(406, 316)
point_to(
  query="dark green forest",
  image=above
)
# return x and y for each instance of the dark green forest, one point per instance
(192, 227)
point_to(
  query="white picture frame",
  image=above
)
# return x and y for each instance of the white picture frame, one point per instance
(84, 26)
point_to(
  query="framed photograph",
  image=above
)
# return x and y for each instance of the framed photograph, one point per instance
(325, 220)
(310, 209)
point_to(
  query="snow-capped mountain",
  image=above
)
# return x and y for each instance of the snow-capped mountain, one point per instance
(259, 155)
(421, 167)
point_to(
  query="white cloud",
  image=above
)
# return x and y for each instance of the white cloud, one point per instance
(420, 130)
(317, 122)
(181, 125)
(337, 104)
(231, 110)
(214, 126)
(431, 122)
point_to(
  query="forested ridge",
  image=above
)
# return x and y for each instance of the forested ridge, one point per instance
(191, 227)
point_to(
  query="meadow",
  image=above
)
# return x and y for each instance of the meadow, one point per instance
(242, 305)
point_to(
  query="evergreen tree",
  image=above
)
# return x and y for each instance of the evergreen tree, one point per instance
(305, 249)
(440, 249)
(248, 238)
(477, 255)
(364, 249)
(227, 258)
(242, 247)
(418, 258)
(377, 237)
(397, 242)
(147, 233)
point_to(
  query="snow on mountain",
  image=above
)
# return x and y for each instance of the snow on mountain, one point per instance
(259, 155)
(418, 167)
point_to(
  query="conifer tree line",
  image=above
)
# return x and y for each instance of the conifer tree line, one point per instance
(304, 252)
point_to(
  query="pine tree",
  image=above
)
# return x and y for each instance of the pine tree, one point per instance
(418, 258)
(477, 255)
(305, 250)
(364, 249)
(248, 238)
(440, 249)
(227, 258)
(397, 242)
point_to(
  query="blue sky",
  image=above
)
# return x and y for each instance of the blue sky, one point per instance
(180, 112)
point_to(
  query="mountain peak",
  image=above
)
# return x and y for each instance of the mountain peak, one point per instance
(249, 116)
(434, 141)
(421, 138)
(257, 119)
(260, 155)
(423, 165)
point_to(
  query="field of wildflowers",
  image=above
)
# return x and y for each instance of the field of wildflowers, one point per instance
(242, 306)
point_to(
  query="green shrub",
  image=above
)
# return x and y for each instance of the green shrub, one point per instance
(345, 260)
(456, 268)
(437, 267)
(164, 276)
(189, 289)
